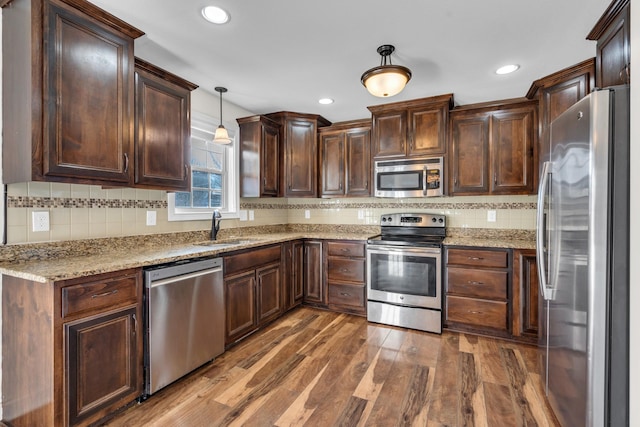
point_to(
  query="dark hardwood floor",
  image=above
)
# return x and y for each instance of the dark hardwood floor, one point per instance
(318, 368)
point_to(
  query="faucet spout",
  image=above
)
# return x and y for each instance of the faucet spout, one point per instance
(215, 224)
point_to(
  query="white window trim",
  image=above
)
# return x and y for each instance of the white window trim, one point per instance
(231, 192)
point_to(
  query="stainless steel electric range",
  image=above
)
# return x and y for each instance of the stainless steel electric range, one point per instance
(404, 271)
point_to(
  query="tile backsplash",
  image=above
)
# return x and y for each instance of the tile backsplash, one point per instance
(85, 211)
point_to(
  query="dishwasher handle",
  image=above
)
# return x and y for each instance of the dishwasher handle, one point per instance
(174, 279)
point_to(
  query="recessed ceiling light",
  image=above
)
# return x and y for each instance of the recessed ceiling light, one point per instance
(325, 101)
(215, 14)
(507, 69)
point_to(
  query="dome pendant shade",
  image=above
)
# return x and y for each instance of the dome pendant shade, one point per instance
(387, 79)
(221, 136)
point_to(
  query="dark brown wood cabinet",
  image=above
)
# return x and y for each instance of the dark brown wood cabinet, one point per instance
(555, 94)
(299, 171)
(345, 160)
(260, 157)
(253, 286)
(416, 128)
(314, 280)
(71, 74)
(492, 148)
(73, 346)
(346, 270)
(526, 303)
(613, 48)
(163, 129)
(292, 274)
(477, 284)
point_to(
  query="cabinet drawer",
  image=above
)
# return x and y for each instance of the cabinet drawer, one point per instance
(105, 294)
(346, 295)
(250, 260)
(478, 257)
(477, 283)
(351, 270)
(348, 249)
(492, 314)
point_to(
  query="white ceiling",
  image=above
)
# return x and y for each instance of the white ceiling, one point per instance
(286, 54)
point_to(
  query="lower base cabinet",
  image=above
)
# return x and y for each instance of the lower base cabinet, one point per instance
(72, 350)
(346, 269)
(292, 274)
(526, 296)
(252, 288)
(314, 280)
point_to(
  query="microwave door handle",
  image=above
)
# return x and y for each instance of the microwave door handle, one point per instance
(424, 178)
(541, 232)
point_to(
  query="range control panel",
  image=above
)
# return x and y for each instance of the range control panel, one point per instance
(412, 220)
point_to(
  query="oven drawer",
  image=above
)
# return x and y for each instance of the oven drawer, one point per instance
(347, 295)
(346, 249)
(476, 312)
(478, 258)
(477, 283)
(347, 269)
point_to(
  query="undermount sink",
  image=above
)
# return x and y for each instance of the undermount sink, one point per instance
(224, 243)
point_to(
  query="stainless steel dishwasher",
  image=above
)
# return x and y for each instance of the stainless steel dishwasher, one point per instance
(185, 319)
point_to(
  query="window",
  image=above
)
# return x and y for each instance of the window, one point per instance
(214, 177)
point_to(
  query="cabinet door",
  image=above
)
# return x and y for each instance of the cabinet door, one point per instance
(162, 133)
(268, 292)
(313, 273)
(427, 135)
(613, 52)
(512, 151)
(470, 154)
(332, 158)
(358, 170)
(270, 158)
(300, 158)
(103, 363)
(526, 305)
(240, 305)
(389, 134)
(88, 111)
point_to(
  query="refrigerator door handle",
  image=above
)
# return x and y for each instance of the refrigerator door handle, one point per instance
(541, 232)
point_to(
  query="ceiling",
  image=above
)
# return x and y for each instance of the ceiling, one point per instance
(286, 54)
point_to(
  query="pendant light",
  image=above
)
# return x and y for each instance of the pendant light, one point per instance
(222, 136)
(387, 79)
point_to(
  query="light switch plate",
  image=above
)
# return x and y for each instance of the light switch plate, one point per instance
(251, 216)
(360, 213)
(40, 221)
(491, 216)
(151, 217)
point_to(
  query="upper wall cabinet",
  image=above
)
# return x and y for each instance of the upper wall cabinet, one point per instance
(492, 147)
(345, 159)
(162, 125)
(411, 128)
(613, 50)
(68, 79)
(260, 153)
(299, 176)
(555, 94)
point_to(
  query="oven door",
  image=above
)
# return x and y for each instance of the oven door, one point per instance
(405, 276)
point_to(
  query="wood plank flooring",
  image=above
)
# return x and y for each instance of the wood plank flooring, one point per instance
(318, 368)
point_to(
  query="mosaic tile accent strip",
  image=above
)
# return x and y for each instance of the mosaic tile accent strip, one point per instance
(393, 205)
(59, 202)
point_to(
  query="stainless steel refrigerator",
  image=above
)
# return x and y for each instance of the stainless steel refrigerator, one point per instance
(583, 261)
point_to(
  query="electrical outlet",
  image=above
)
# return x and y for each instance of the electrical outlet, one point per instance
(151, 217)
(242, 214)
(40, 221)
(491, 216)
(360, 213)
(307, 214)
(251, 216)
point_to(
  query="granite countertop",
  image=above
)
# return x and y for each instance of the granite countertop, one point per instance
(118, 258)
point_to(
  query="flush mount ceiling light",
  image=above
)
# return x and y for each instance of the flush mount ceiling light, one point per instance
(215, 14)
(221, 136)
(507, 69)
(387, 79)
(325, 101)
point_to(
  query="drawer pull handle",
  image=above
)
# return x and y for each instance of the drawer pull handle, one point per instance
(475, 312)
(345, 250)
(345, 270)
(475, 258)
(473, 282)
(344, 294)
(105, 294)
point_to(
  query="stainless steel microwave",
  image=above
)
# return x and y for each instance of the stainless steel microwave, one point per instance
(409, 178)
